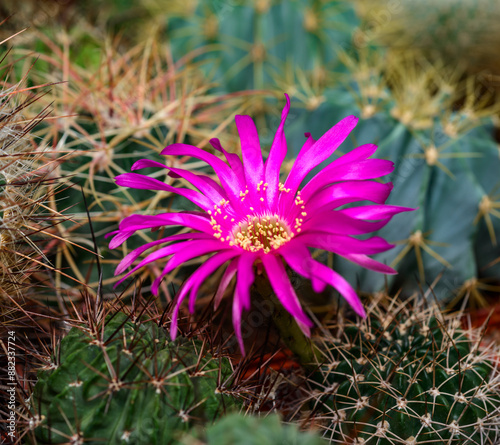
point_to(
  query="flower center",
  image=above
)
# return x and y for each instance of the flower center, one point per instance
(256, 231)
(261, 233)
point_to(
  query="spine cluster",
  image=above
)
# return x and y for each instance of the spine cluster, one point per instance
(22, 193)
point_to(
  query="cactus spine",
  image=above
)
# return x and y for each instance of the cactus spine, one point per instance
(407, 374)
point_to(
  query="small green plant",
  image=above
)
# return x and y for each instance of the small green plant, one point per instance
(240, 429)
(124, 382)
(407, 374)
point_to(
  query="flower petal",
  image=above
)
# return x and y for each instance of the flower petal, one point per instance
(361, 170)
(250, 150)
(356, 154)
(346, 192)
(128, 260)
(229, 179)
(375, 212)
(369, 263)
(301, 261)
(229, 273)
(196, 221)
(340, 283)
(276, 156)
(133, 223)
(147, 163)
(343, 245)
(241, 298)
(315, 154)
(283, 288)
(163, 252)
(206, 269)
(245, 278)
(120, 236)
(310, 141)
(137, 181)
(337, 222)
(203, 183)
(233, 159)
(237, 309)
(194, 250)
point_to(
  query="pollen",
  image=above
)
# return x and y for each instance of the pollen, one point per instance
(244, 194)
(261, 233)
(298, 200)
(282, 188)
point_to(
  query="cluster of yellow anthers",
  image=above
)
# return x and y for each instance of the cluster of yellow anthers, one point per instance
(298, 221)
(256, 232)
(213, 222)
(261, 233)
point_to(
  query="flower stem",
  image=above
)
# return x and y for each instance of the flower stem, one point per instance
(291, 334)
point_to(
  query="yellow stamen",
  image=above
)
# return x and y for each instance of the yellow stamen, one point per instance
(264, 233)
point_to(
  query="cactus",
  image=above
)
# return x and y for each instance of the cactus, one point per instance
(24, 178)
(239, 429)
(407, 374)
(123, 382)
(446, 164)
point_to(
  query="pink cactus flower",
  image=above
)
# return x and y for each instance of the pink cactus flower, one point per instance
(249, 216)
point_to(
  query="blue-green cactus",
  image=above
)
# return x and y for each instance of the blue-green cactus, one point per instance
(252, 41)
(446, 166)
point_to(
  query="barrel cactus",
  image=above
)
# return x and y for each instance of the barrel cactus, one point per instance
(446, 165)
(126, 383)
(406, 375)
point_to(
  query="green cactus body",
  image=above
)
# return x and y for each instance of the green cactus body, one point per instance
(238, 429)
(407, 377)
(127, 384)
